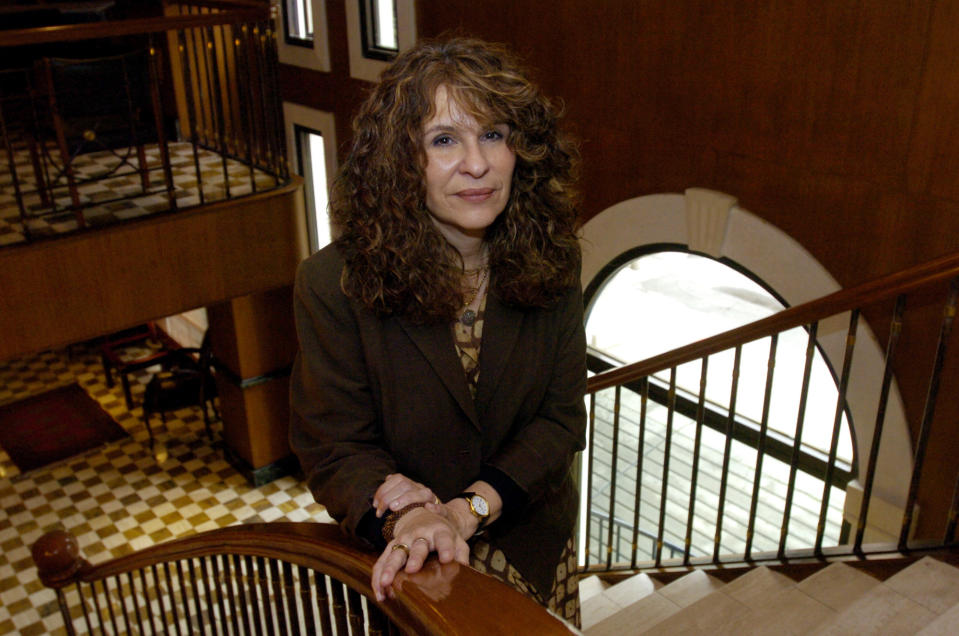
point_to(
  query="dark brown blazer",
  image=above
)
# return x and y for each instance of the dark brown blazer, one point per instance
(372, 396)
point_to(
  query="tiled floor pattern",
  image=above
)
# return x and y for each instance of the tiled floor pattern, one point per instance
(111, 189)
(120, 497)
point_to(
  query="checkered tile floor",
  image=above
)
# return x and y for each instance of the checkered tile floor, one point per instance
(120, 497)
(111, 190)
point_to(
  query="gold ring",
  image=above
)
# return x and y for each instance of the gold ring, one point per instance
(402, 546)
(436, 499)
(422, 539)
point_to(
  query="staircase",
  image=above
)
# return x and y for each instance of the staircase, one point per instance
(922, 598)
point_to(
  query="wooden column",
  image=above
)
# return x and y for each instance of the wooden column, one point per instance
(254, 342)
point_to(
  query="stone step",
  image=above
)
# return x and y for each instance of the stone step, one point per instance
(656, 607)
(594, 606)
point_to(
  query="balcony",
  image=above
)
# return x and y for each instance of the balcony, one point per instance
(144, 171)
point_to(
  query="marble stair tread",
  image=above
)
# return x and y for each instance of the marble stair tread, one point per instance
(636, 618)
(789, 611)
(590, 587)
(632, 589)
(881, 610)
(702, 616)
(688, 589)
(596, 609)
(837, 585)
(929, 582)
(754, 588)
(946, 624)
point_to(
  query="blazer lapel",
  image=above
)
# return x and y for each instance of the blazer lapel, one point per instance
(500, 335)
(435, 342)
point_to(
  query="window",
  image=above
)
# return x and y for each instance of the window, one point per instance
(304, 41)
(663, 300)
(298, 20)
(655, 299)
(311, 142)
(380, 39)
(376, 31)
(311, 159)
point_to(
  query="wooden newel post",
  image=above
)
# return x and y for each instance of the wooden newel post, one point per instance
(58, 559)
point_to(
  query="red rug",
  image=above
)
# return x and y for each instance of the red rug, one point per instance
(60, 423)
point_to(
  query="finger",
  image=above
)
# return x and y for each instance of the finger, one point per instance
(419, 551)
(385, 569)
(444, 546)
(462, 552)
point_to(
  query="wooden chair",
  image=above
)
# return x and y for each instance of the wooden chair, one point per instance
(274, 578)
(116, 364)
(185, 381)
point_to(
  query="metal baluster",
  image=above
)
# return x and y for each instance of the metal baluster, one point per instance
(797, 438)
(761, 445)
(278, 596)
(338, 606)
(612, 477)
(950, 535)
(640, 456)
(354, 609)
(241, 55)
(161, 597)
(256, 600)
(321, 585)
(700, 417)
(162, 147)
(211, 604)
(895, 329)
(945, 330)
(195, 584)
(263, 577)
(185, 47)
(288, 589)
(589, 474)
(185, 598)
(724, 479)
(241, 580)
(273, 96)
(216, 108)
(667, 451)
(306, 600)
(836, 427)
(136, 601)
(11, 161)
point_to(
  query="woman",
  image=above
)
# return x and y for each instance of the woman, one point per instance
(438, 394)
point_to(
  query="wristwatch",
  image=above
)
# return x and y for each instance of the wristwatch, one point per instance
(478, 506)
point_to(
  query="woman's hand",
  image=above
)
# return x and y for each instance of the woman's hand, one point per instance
(433, 528)
(398, 491)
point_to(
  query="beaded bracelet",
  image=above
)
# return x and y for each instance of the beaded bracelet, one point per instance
(394, 517)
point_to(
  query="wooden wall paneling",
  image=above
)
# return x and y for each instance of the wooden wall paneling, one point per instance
(65, 290)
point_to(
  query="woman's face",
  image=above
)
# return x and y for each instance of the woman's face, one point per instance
(469, 169)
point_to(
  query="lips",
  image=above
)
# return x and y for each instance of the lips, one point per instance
(475, 195)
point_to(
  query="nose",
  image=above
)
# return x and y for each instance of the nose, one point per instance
(474, 161)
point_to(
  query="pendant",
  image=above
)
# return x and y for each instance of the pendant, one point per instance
(468, 317)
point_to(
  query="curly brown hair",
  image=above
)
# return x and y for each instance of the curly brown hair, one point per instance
(397, 262)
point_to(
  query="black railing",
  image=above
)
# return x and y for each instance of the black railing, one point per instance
(108, 121)
(646, 453)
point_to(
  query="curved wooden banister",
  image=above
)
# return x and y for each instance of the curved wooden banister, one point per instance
(226, 14)
(441, 599)
(883, 288)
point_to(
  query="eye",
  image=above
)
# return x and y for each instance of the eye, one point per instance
(442, 140)
(493, 135)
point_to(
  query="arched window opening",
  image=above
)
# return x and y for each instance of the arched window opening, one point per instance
(657, 298)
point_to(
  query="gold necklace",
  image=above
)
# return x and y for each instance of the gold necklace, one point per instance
(468, 317)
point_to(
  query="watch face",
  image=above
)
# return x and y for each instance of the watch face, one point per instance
(480, 505)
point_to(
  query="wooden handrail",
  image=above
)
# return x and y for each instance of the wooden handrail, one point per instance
(228, 14)
(883, 288)
(440, 599)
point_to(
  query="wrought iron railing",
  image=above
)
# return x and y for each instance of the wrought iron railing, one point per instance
(109, 121)
(674, 506)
